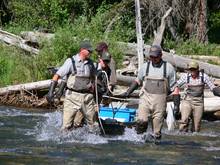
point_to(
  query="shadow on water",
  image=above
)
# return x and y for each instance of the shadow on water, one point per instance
(28, 137)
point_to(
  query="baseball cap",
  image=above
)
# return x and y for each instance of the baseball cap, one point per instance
(155, 51)
(193, 65)
(86, 45)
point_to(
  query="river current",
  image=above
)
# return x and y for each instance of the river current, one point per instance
(30, 137)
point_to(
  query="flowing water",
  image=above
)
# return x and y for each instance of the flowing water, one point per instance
(28, 137)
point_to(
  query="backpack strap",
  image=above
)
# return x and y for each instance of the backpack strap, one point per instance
(188, 77)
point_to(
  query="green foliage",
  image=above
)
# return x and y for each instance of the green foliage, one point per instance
(16, 67)
(214, 23)
(40, 14)
(193, 47)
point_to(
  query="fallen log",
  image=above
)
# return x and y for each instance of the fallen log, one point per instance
(212, 104)
(27, 87)
(17, 41)
(205, 58)
(177, 61)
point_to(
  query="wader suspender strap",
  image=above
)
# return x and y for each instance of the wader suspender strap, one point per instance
(202, 78)
(147, 70)
(187, 78)
(74, 65)
(164, 69)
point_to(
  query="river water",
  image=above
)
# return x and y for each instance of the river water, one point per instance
(28, 137)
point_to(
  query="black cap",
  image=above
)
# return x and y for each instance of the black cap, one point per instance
(155, 51)
(86, 45)
(105, 56)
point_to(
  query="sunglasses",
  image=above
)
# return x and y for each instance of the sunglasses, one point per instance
(192, 69)
(153, 57)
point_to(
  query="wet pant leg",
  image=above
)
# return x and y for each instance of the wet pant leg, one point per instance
(186, 111)
(197, 116)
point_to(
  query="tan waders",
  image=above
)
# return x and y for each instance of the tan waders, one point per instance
(152, 105)
(192, 107)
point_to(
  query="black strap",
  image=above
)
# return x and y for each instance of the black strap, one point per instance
(188, 76)
(202, 77)
(74, 65)
(147, 70)
(164, 69)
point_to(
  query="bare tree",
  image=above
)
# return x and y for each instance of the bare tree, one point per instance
(202, 28)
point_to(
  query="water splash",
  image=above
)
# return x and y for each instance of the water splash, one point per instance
(203, 134)
(12, 112)
(49, 130)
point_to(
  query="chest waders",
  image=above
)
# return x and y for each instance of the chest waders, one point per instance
(195, 93)
(79, 100)
(192, 105)
(152, 102)
(81, 84)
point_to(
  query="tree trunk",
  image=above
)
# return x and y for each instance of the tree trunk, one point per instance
(158, 35)
(202, 35)
(140, 42)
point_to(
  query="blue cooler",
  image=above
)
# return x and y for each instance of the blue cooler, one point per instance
(119, 114)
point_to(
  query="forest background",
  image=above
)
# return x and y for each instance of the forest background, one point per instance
(193, 28)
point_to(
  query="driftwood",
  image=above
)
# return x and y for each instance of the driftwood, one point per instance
(205, 58)
(17, 41)
(158, 35)
(25, 87)
(36, 37)
(178, 61)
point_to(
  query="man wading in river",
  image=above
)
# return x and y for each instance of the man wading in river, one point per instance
(80, 87)
(193, 102)
(106, 63)
(156, 77)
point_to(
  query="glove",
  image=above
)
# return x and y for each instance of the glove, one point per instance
(176, 101)
(133, 87)
(60, 92)
(50, 95)
(216, 91)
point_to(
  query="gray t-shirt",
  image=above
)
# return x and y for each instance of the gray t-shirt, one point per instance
(158, 72)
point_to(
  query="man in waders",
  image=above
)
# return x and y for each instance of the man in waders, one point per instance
(192, 105)
(156, 77)
(80, 87)
(106, 63)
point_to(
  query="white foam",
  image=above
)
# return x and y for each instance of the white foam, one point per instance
(211, 148)
(49, 130)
